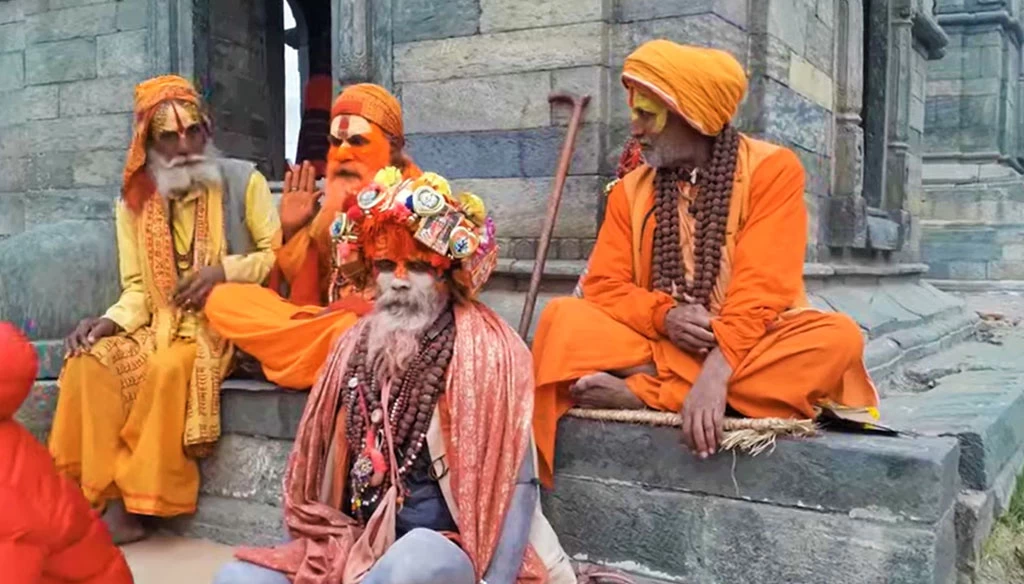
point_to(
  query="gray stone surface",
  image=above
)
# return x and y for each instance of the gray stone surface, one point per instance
(504, 102)
(247, 468)
(791, 118)
(12, 37)
(132, 14)
(517, 153)
(274, 413)
(108, 95)
(883, 234)
(974, 521)
(12, 71)
(98, 167)
(60, 61)
(696, 538)
(500, 53)
(982, 408)
(12, 214)
(501, 15)
(58, 274)
(232, 522)
(701, 29)
(734, 11)
(84, 21)
(11, 12)
(416, 20)
(122, 53)
(914, 479)
(42, 207)
(28, 104)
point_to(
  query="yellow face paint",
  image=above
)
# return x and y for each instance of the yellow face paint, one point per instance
(642, 103)
(174, 117)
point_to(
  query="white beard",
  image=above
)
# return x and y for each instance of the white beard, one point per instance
(181, 174)
(396, 327)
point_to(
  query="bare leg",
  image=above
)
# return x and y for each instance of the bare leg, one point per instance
(605, 391)
(123, 526)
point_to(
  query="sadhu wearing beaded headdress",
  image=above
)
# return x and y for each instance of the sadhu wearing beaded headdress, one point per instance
(414, 460)
(695, 286)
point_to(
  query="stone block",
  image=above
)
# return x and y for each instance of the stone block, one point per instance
(773, 57)
(974, 521)
(246, 467)
(12, 37)
(580, 81)
(96, 168)
(516, 153)
(519, 204)
(12, 175)
(84, 21)
(982, 409)
(12, 214)
(573, 45)
(108, 131)
(132, 14)
(48, 171)
(12, 71)
(248, 410)
(58, 274)
(60, 61)
(49, 206)
(810, 81)
(500, 15)
(702, 29)
(788, 20)
(28, 104)
(11, 12)
(232, 522)
(416, 20)
(524, 249)
(122, 53)
(961, 245)
(820, 44)
(1005, 270)
(982, 62)
(687, 536)
(913, 479)
(883, 234)
(108, 95)
(792, 118)
(847, 221)
(569, 249)
(506, 102)
(734, 11)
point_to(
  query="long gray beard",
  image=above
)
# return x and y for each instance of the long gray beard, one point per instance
(394, 341)
(181, 174)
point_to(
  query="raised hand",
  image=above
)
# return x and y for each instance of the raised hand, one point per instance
(299, 201)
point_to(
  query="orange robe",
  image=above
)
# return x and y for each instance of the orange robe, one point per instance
(786, 356)
(291, 338)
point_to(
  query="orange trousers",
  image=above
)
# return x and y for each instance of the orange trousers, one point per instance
(123, 439)
(290, 342)
(804, 358)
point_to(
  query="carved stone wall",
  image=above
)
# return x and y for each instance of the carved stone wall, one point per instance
(974, 209)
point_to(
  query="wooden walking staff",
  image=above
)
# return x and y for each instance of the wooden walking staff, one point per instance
(578, 104)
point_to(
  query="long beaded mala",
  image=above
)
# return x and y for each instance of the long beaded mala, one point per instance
(412, 404)
(710, 208)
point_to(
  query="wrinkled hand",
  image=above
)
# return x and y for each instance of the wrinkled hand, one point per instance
(192, 292)
(689, 328)
(88, 332)
(299, 201)
(704, 409)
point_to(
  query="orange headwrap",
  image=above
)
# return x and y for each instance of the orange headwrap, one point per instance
(372, 102)
(703, 86)
(148, 95)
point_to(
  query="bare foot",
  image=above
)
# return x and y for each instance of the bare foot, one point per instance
(123, 526)
(604, 391)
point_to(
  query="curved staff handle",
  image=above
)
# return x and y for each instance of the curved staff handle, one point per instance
(578, 105)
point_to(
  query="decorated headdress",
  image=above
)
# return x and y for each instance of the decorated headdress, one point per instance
(417, 219)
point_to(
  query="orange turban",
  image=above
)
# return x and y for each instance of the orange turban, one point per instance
(18, 363)
(703, 86)
(148, 95)
(372, 102)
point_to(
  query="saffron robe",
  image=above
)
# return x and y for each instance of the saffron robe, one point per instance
(786, 356)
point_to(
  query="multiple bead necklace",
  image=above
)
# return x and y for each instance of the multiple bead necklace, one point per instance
(410, 408)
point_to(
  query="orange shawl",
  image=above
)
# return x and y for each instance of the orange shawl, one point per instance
(489, 396)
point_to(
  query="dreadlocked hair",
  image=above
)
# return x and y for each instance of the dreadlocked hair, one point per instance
(710, 209)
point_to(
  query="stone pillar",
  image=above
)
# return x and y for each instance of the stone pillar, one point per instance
(973, 212)
(361, 46)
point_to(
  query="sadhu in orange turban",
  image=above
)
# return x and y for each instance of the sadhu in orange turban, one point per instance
(366, 133)
(703, 86)
(137, 186)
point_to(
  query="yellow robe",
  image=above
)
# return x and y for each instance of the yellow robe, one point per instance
(123, 411)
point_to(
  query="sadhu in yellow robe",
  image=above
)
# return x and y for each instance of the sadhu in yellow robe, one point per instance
(134, 413)
(786, 356)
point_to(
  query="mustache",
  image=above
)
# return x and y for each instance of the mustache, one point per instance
(180, 161)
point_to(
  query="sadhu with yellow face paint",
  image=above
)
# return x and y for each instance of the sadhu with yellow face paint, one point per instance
(140, 385)
(695, 286)
(291, 337)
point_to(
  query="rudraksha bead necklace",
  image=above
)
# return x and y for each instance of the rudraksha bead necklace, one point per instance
(710, 209)
(412, 404)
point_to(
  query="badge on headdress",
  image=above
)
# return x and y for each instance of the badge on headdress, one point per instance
(463, 243)
(427, 202)
(476, 269)
(435, 230)
(370, 197)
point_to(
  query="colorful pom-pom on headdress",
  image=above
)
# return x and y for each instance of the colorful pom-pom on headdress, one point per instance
(417, 218)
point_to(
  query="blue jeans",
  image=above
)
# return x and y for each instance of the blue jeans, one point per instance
(421, 556)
